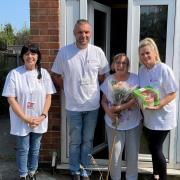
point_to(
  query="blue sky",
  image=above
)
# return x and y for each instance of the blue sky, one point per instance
(15, 12)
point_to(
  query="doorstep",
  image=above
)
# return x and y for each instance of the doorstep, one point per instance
(145, 170)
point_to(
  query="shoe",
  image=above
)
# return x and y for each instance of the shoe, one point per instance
(155, 177)
(32, 176)
(23, 178)
(85, 178)
(75, 177)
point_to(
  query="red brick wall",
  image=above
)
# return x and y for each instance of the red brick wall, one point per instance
(44, 29)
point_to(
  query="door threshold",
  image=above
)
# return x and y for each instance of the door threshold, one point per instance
(143, 170)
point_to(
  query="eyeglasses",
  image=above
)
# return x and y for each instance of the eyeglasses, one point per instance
(119, 63)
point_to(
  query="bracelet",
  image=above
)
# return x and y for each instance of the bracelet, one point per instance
(44, 115)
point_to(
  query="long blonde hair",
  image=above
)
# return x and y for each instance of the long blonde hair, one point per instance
(150, 42)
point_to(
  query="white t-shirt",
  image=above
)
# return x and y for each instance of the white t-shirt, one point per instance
(31, 94)
(129, 118)
(161, 78)
(79, 69)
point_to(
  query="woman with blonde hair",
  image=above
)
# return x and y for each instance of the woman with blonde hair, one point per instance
(160, 119)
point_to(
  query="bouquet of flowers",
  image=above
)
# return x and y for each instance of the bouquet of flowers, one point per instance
(121, 92)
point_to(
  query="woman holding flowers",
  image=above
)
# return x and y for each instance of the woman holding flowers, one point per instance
(122, 117)
(159, 119)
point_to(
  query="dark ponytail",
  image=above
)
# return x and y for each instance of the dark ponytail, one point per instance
(39, 69)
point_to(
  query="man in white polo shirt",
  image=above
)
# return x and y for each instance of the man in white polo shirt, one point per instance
(79, 68)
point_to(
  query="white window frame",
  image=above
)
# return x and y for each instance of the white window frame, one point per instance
(134, 28)
(74, 10)
(79, 10)
(173, 49)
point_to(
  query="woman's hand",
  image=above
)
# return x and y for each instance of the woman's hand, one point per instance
(36, 121)
(153, 107)
(113, 115)
(115, 108)
(29, 121)
(164, 101)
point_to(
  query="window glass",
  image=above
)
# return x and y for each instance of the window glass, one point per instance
(153, 23)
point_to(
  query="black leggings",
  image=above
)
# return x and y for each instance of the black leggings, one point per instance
(155, 140)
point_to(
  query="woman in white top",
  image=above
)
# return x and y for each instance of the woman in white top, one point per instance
(128, 129)
(28, 89)
(160, 119)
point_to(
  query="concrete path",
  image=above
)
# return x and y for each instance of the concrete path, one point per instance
(8, 168)
(8, 171)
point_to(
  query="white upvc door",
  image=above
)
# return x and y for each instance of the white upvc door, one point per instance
(135, 12)
(141, 13)
(99, 18)
(71, 11)
(176, 65)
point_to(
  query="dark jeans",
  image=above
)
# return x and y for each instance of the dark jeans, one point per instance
(155, 139)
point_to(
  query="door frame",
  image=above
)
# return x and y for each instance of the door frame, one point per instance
(133, 34)
(132, 46)
(93, 5)
(134, 29)
(67, 37)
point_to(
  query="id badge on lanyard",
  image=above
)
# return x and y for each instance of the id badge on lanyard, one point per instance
(30, 105)
(31, 102)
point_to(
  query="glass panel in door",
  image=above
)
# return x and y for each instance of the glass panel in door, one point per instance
(153, 23)
(99, 18)
(154, 19)
(100, 142)
(99, 29)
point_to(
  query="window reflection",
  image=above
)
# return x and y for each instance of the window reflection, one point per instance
(153, 23)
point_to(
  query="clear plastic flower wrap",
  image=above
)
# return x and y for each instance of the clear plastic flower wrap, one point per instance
(121, 93)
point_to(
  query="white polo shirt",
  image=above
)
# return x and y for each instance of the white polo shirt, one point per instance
(79, 69)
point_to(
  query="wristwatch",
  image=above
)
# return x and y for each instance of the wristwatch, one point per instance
(45, 116)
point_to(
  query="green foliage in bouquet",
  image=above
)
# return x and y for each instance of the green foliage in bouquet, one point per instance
(121, 92)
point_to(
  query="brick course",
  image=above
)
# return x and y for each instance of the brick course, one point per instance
(44, 29)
